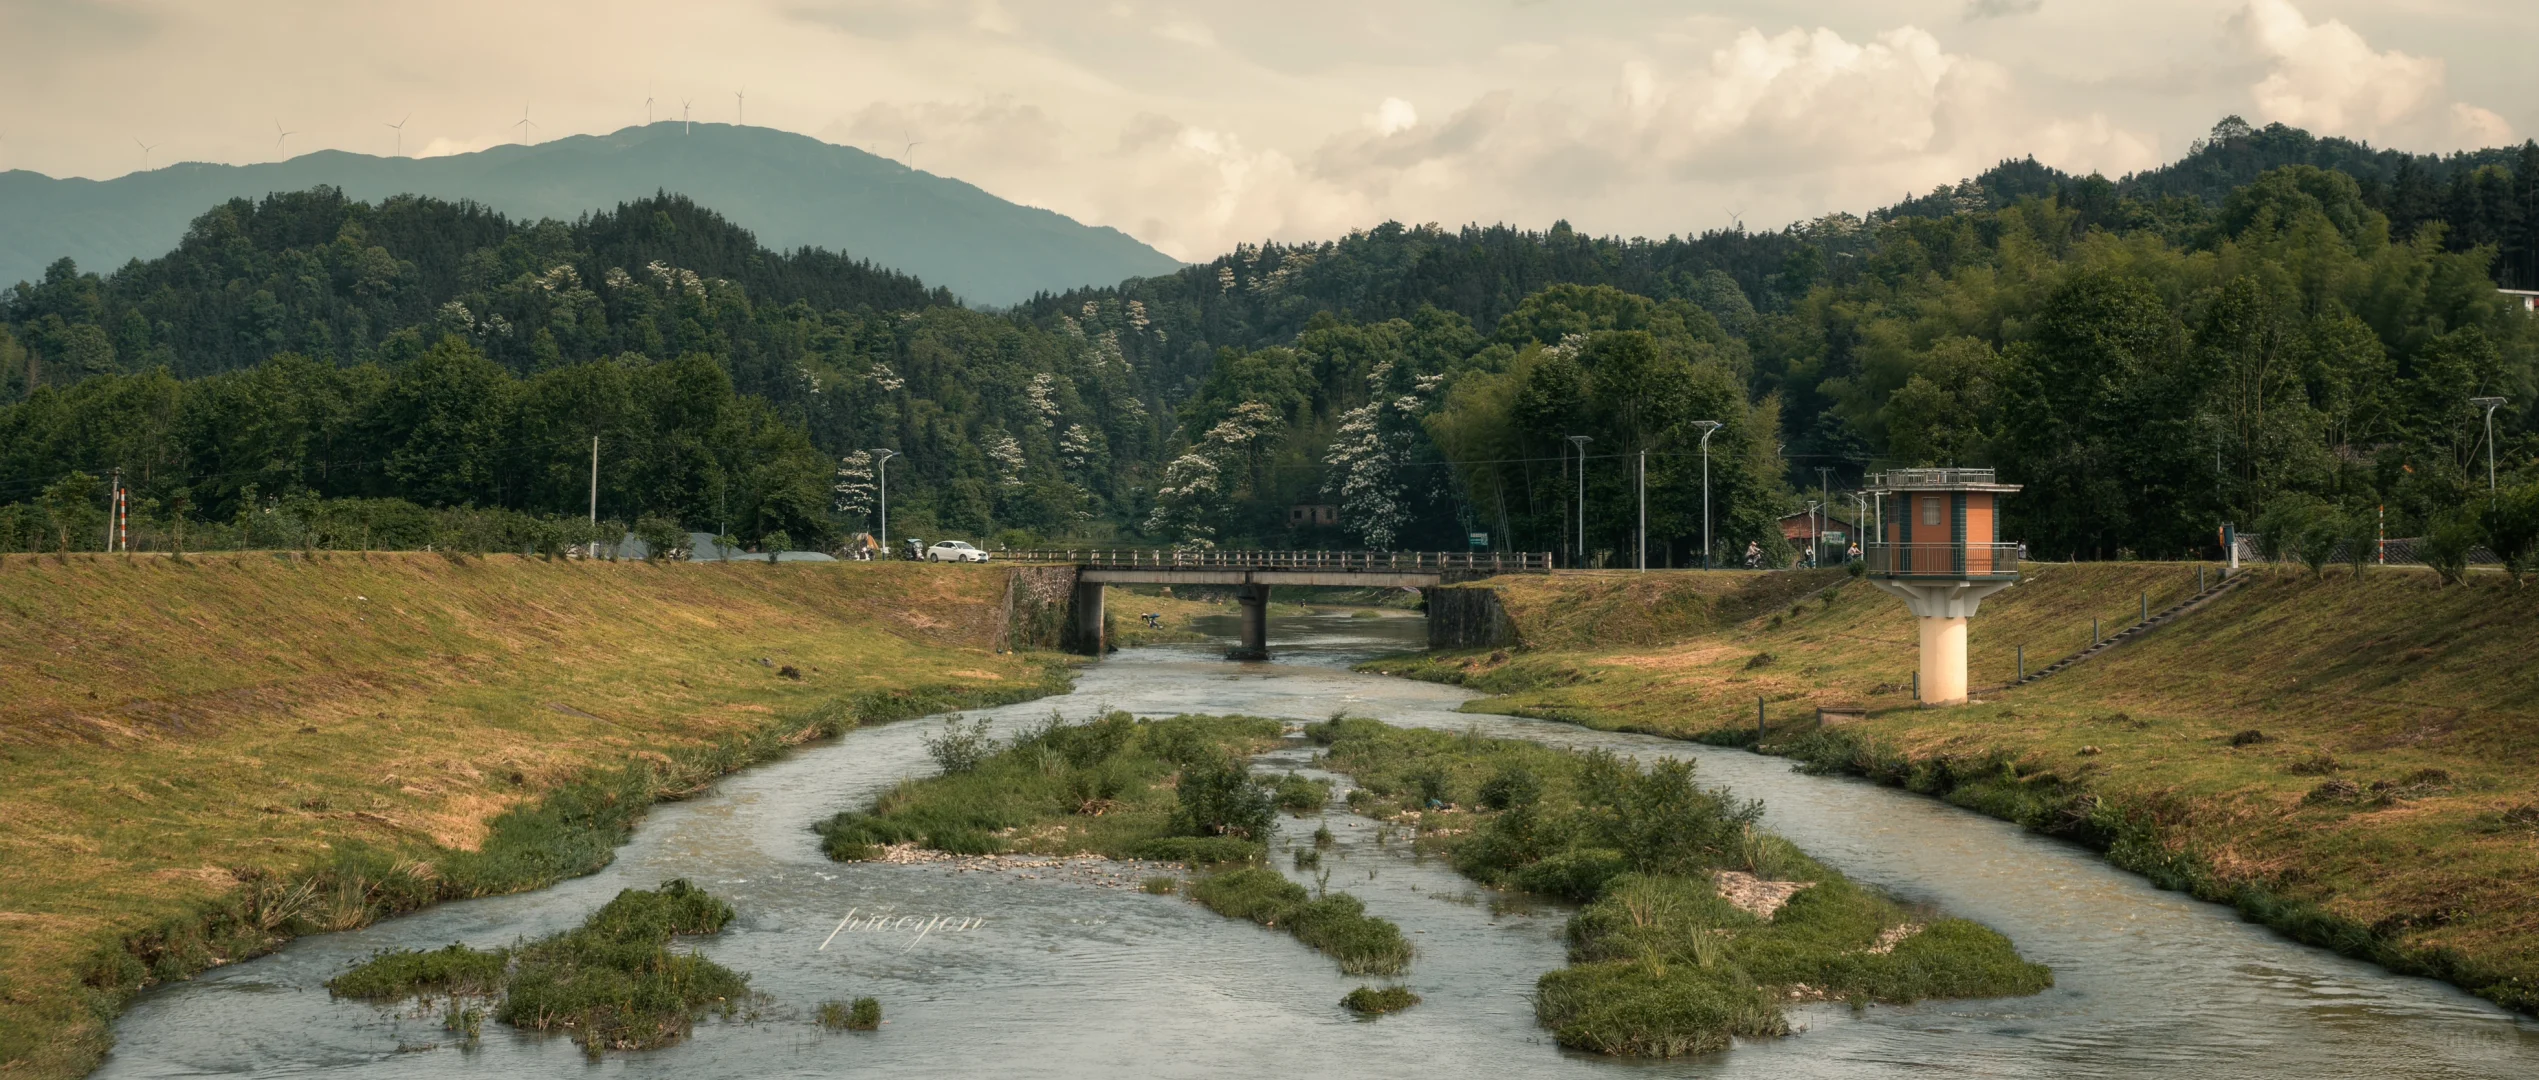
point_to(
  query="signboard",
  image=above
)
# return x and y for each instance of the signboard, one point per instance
(1481, 541)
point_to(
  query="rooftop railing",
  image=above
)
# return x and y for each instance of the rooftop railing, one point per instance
(1894, 479)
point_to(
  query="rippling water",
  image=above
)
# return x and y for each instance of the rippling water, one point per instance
(1066, 979)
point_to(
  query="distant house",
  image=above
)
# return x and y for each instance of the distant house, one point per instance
(1304, 514)
(1800, 529)
(2528, 299)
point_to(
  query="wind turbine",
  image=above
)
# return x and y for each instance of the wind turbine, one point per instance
(684, 123)
(647, 112)
(911, 151)
(525, 125)
(145, 152)
(400, 128)
(281, 147)
(740, 107)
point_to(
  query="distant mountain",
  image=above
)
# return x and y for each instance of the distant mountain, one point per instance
(790, 190)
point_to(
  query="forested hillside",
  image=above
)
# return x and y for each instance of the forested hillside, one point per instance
(2151, 357)
(794, 191)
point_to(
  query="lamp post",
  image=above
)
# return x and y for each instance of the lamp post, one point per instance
(1578, 555)
(1825, 495)
(1708, 428)
(1816, 543)
(881, 469)
(1643, 477)
(2489, 404)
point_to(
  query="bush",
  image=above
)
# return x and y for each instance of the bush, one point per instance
(1219, 799)
(2446, 545)
(960, 749)
(1512, 785)
(1651, 1009)
(1300, 796)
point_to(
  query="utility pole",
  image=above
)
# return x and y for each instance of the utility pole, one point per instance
(1578, 556)
(1708, 428)
(1644, 511)
(595, 481)
(2489, 404)
(881, 469)
(114, 506)
(1824, 494)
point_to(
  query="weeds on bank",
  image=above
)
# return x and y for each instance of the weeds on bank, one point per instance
(613, 982)
(1663, 963)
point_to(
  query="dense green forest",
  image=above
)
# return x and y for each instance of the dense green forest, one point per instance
(2276, 321)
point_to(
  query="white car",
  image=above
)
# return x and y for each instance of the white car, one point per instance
(954, 551)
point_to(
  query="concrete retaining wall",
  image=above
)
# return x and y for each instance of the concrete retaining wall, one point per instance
(1467, 618)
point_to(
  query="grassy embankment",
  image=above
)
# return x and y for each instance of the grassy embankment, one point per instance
(1118, 787)
(1697, 926)
(2343, 759)
(207, 757)
(611, 983)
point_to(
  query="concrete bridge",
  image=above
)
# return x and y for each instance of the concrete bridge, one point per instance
(1254, 573)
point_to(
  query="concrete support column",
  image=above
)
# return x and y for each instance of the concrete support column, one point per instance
(1088, 618)
(1943, 660)
(1255, 644)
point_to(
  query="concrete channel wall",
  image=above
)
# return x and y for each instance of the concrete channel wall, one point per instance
(1467, 617)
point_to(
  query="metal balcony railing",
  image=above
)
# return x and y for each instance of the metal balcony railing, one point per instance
(1942, 560)
(1894, 479)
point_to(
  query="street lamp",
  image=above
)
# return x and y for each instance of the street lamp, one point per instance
(1816, 543)
(881, 469)
(1708, 428)
(2489, 404)
(1578, 555)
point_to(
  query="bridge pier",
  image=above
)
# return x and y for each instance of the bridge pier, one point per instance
(1255, 600)
(1087, 609)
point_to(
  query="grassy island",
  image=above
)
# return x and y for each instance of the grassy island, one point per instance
(1697, 926)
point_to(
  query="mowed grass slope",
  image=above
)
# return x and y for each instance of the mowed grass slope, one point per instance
(2348, 758)
(172, 732)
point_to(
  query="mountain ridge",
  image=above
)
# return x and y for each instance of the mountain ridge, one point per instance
(791, 190)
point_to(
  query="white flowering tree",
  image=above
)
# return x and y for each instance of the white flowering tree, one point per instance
(1370, 456)
(855, 488)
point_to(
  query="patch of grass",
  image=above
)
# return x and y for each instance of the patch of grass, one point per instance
(863, 1014)
(613, 982)
(1336, 923)
(1160, 886)
(1369, 1001)
(318, 742)
(1663, 961)
(454, 970)
(1168, 790)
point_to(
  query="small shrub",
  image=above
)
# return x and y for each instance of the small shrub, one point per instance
(1219, 799)
(2250, 737)
(1300, 796)
(1369, 1001)
(1322, 836)
(1761, 659)
(863, 1014)
(960, 749)
(1514, 785)
(832, 1015)
(1308, 859)
(2317, 765)
(2335, 791)
(1160, 886)
(789, 672)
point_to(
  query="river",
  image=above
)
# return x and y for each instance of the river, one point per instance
(1064, 979)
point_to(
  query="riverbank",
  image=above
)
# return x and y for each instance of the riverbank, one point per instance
(212, 755)
(2339, 758)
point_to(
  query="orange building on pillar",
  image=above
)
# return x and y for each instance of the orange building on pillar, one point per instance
(1939, 547)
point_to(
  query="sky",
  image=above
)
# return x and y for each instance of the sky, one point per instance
(1195, 126)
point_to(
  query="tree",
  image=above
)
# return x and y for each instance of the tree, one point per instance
(70, 511)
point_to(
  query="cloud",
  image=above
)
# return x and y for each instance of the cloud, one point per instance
(2325, 77)
(2000, 9)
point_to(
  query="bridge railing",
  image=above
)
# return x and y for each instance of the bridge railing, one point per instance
(1492, 562)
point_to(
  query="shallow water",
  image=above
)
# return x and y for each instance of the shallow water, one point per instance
(1063, 978)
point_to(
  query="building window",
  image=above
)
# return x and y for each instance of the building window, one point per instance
(1930, 510)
